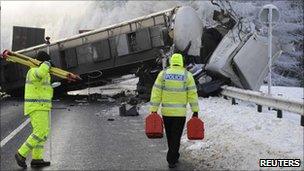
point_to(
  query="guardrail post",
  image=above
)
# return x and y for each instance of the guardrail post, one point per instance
(302, 120)
(270, 102)
(279, 113)
(260, 108)
(233, 101)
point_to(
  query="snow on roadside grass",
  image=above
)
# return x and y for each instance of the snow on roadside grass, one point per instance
(236, 137)
(294, 93)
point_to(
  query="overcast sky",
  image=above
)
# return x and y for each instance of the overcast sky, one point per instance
(46, 14)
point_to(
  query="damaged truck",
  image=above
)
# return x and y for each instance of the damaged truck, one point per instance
(230, 53)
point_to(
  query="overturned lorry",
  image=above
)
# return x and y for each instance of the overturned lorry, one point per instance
(230, 53)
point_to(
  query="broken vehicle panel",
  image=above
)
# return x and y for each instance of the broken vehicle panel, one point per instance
(219, 55)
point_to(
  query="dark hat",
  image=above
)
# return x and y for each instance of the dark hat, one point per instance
(43, 56)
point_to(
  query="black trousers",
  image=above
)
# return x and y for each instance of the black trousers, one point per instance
(174, 127)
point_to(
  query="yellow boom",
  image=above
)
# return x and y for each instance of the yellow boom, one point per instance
(31, 62)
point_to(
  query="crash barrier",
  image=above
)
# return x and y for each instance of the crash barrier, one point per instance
(262, 99)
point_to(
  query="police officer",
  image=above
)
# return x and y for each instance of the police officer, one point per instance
(37, 105)
(173, 89)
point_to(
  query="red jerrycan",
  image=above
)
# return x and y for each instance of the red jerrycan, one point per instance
(195, 129)
(154, 126)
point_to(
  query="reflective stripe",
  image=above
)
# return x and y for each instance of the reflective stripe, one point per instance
(175, 89)
(37, 138)
(39, 146)
(44, 83)
(37, 75)
(174, 105)
(191, 88)
(28, 145)
(193, 104)
(170, 89)
(154, 104)
(38, 100)
(157, 86)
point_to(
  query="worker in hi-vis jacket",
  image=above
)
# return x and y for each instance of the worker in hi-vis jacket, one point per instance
(37, 105)
(173, 89)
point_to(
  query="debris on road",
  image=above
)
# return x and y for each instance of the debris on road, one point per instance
(119, 95)
(106, 99)
(128, 110)
(3, 95)
(83, 104)
(81, 101)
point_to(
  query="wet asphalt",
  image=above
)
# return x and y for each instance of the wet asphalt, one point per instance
(88, 136)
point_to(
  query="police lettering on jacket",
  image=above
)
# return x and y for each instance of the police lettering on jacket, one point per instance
(176, 77)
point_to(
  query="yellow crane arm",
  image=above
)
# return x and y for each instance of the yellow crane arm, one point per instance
(31, 62)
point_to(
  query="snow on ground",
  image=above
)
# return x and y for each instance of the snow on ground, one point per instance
(237, 136)
(295, 93)
(127, 82)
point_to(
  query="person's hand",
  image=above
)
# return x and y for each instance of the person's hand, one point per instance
(195, 114)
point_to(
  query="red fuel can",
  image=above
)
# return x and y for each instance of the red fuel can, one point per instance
(195, 129)
(154, 126)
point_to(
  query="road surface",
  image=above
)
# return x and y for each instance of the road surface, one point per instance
(84, 139)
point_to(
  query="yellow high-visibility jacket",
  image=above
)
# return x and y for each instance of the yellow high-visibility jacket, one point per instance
(38, 90)
(173, 89)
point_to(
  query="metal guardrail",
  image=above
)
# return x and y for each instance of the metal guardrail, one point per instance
(260, 98)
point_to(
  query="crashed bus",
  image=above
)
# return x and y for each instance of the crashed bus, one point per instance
(231, 53)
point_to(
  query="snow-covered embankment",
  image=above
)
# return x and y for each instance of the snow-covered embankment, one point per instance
(237, 136)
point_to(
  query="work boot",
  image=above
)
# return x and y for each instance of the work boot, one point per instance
(20, 160)
(172, 165)
(40, 163)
